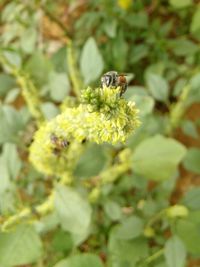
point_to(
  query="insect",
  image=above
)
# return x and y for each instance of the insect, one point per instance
(114, 79)
(58, 143)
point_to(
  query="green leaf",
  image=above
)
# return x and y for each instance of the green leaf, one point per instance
(184, 47)
(189, 128)
(192, 160)
(13, 57)
(12, 95)
(6, 84)
(73, 210)
(139, 52)
(195, 24)
(138, 20)
(12, 160)
(49, 110)
(59, 60)
(110, 28)
(175, 253)
(162, 264)
(7, 190)
(113, 210)
(91, 62)
(19, 247)
(28, 40)
(145, 104)
(180, 3)
(195, 82)
(130, 228)
(82, 260)
(91, 161)
(157, 157)
(189, 232)
(47, 223)
(192, 199)
(126, 252)
(39, 68)
(59, 86)
(5, 177)
(62, 241)
(158, 87)
(120, 52)
(11, 124)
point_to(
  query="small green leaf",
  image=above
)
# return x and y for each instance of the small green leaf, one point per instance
(110, 28)
(7, 190)
(39, 67)
(82, 260)
(12, 95)
(28, 40)
(158, 87)
(130, 228)
(126, 252)
(139, 52)
(73, 210)
(192, 160)
(145, 104)
(162, 264)
(195, 24)
(19, 247)
(13, 57)
(91, 161)
(189, 128)
(6, 84)
(59, 86)
(195, 82)
(192, 199)
(5, 184)
(11, 124)
(175, 253)
(120, 52)
(91, 62)
(49, 110)
(113, 210)
(138, 20)
(157, 157)
(189, 232)
(62, 241)
(180, 3)
(11, 159)
(184, 47)
(59, 60)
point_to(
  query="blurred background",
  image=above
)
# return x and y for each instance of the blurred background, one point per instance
(149, 215)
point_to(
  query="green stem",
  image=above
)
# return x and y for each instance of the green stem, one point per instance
(154, 256)
(156, 217)
(41, 210)
(177, 111)
(73, 70)
(27, 213)
(29, 91)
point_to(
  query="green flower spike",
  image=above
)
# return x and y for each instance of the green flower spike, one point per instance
(102, 116)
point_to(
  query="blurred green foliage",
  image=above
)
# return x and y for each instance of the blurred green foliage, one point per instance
(131, 220)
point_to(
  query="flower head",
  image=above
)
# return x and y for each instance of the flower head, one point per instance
(103, 116)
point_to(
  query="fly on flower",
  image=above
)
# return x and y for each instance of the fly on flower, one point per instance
(58, 144)
(114, 79)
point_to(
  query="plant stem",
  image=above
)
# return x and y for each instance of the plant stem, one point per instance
(154, 256)
(29, 91)
(73, 70)
(27, 213)
(177, 111)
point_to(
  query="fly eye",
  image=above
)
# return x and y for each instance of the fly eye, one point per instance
(107, 80)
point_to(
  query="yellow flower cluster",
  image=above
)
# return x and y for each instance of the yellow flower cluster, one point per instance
(103, 116)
